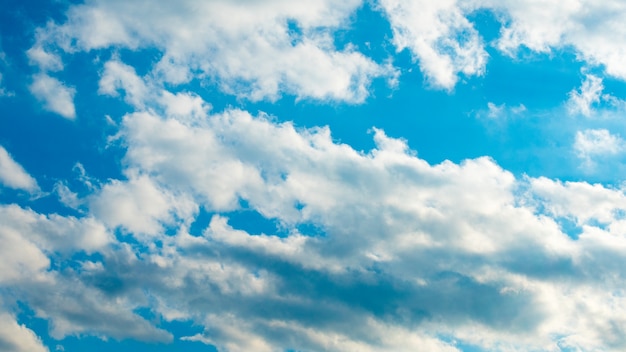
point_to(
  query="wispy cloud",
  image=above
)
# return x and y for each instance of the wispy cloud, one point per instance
(597, 143)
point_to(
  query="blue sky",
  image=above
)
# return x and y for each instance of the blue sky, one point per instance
(381, 175)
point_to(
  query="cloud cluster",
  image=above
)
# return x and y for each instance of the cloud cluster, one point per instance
(287, 49)
(282, 47)
(439, 36)
(370, 249)
(373, 251)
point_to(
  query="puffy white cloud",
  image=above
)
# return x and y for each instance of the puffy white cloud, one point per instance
(280, 47)
(410, 251)
(597, 143)
(446, 44)
(38, 265)
(584, 202)
(464, 250)
(54, 94)
(375, 250)
(118, 76)
(18, 338)
(439, 36)
(52, 233)
(545, 25)
(13, 174)
(139, 206)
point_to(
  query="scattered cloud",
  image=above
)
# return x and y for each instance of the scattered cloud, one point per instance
(446, 44)
(545, 26)
(55, 96)
(196, 41)
(440, 38)
(13, 174)
(596, 143)
(422, 236)
(495, 111)
(590, 93)
(373, 250)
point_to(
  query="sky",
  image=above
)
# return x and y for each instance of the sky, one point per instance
(314, 175)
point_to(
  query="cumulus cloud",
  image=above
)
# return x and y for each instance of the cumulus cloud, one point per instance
(195, 38)
(140, 206)
(439, 36)
(410, 251)
(597, 143)
(375, 250)
(590, 93)
(55, 96)
(35, 245)
(284, 48)
(546, 25)
(13, 174)
(446, 44)
(462, 250)
(18, 338)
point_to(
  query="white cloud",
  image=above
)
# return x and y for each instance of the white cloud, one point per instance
(411, 251)
(118, 76)
(412, 255)
(590, 93)
(140, 206)
(197, 38)
(18, 338)
(597, 143)
(438, 233)
(439, 36)
(80, 305)
(594, 29)
(282, 48)
(446, 44)
(586, 203)
(43, 59)
(54, 94)
(13, 174)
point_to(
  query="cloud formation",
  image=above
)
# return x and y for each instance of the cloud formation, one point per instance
(460, 250)
(55, 96)
(13, 174)
(371, 250)
(597, 143)
(282, 47)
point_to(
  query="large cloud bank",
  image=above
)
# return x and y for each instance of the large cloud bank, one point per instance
(373, 251)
